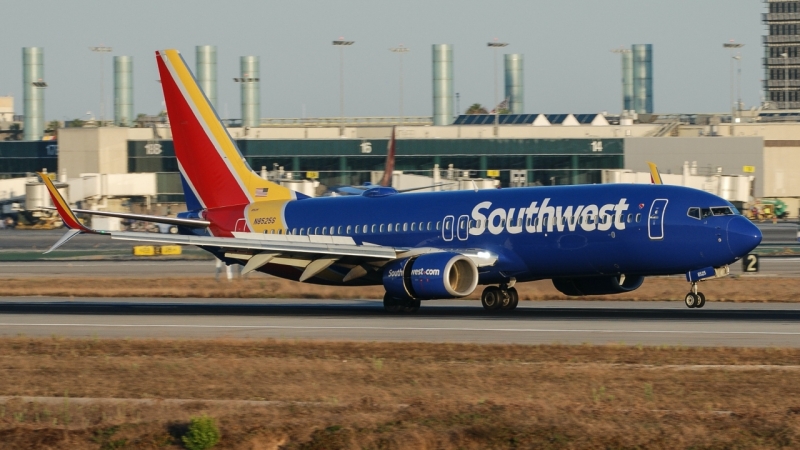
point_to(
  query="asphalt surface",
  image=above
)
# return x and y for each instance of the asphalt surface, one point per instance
(769, 267)
(566, 322)
(111, 269)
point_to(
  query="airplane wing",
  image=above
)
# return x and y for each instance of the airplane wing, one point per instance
(313, 253)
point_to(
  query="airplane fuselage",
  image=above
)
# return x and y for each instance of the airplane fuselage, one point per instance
(535, 233)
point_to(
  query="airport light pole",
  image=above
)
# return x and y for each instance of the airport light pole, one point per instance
(341, 43)
(495, 44)
(622, 51)
(400, 51)
(102, 50)
(732, 46)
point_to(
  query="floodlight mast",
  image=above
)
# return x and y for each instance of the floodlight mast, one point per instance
(341, 43)
(732, 46)
(400, 50)
(102, 50)
(495, 44)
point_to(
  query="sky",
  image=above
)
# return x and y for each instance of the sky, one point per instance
(566, 44)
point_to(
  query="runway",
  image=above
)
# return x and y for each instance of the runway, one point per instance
(778, 266)
(566, 322)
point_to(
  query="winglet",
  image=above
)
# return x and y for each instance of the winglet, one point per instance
(655, 177)
(63, 208)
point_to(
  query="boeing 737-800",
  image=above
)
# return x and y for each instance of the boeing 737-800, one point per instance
(590, 239)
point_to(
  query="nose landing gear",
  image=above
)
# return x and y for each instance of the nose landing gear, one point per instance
(695, 299)
(504, 297)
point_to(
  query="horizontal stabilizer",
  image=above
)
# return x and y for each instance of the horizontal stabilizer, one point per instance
(190, 223)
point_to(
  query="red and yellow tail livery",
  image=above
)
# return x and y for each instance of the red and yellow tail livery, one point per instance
(207, 156)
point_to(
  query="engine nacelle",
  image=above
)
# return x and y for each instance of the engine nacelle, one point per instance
(597, 285)
(431, 276)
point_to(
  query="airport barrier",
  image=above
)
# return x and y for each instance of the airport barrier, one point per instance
(156, 250)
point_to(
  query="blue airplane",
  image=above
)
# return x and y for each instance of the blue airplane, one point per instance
(590, 240)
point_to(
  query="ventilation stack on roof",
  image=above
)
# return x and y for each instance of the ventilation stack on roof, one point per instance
(33, 93)
(642, 78)
(251, 94)
(442, 84)
(206, 70)
(514, 82)
(123, 90)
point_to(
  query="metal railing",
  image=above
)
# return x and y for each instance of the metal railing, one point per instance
(346, 121)
(770, 17)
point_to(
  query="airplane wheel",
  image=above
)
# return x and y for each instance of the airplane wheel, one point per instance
(411, 306)
(691, 300)
(513, 299)
(701, 300)
(391, 304)
(492, 298)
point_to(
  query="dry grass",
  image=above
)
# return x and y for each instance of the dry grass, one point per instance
(382, 395)
(733, 289)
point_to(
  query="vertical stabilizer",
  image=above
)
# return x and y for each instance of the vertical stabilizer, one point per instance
(211, 164)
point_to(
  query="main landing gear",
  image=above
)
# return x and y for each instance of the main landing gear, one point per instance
(396, 305)
(695, 299)
(504, 297)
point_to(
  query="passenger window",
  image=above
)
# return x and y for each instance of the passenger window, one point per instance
(437, 225)
(446, 226)
(429, 226)
(355, 229)
(349, 229)
(381, 228)
(365, 229)
(316, 230)
(630, 218)
(373, 228)
(390, 228)
(405, 227)
(397, 227)
(638, 218)
(302, 230)
(324, 231)
(339, 230)
(421, 226)
(413, 226)
(694, 212)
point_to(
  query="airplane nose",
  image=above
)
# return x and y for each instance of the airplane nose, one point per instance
(743, 236)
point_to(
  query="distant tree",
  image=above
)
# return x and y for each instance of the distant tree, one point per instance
(77, 123)
(503, 111)
(52, 127)
(476, 108)
(16, 132)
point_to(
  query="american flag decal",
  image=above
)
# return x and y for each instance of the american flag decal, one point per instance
(261, 192)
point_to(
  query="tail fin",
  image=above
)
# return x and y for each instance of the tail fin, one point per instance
(210, 163)
(389, 165)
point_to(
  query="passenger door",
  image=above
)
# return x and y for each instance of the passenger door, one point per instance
(655, 221)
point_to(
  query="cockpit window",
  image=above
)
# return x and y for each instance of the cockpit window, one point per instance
(721, 211)
(702, 213)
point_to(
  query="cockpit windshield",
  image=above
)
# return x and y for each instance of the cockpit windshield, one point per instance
(702, 213)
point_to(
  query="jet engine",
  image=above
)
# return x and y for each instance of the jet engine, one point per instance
(431, 276)
(597, 285)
